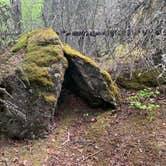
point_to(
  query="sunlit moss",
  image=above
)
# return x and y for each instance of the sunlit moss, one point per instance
(37, 75)
(41, 38)
(36, 38)
(70, 51)
(121, 50)
(49, 98)
(44, 55)
(114, 90)
(43, 49)
(114, 93)
(21, 43)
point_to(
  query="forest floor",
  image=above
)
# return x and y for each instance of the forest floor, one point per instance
(84, 136)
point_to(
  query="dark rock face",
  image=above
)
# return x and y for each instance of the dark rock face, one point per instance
(31, 82)
(89, 81)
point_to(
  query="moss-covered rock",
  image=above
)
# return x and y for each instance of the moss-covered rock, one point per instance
(34, 83)
(141, 79)
(89, 81)
(31, 82)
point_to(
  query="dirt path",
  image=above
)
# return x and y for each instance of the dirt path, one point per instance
(85, 137)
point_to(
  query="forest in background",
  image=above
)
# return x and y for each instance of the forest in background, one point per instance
(98, 28)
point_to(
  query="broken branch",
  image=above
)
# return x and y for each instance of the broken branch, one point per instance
(3, 90)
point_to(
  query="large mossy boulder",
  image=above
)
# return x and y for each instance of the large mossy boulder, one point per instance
(32, 78)
(31, 83)
(89, 81)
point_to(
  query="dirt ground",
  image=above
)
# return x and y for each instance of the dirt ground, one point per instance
(82, 136)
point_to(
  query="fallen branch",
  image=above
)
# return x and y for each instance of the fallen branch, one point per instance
(9, 33)
(92, 155)
(92, 33)
(3, 90)
(68, 138)
(14, 109)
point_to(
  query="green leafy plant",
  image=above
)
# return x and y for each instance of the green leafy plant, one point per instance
(145, 100)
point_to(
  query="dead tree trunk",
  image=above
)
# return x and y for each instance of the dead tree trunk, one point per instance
(16, 14)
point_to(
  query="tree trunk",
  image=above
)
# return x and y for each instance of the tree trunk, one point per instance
(16, 13)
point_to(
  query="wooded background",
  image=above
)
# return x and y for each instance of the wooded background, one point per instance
(98, 28)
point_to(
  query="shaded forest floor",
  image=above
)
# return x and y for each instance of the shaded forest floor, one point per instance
(84, 136)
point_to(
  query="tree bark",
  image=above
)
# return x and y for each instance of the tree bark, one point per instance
(16, 13)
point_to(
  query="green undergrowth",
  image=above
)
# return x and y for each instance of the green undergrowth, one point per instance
(144, 100)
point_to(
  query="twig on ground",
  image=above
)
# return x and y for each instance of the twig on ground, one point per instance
(92, 155)
(68, 138)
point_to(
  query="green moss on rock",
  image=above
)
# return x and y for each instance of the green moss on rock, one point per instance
(150, 78)
(49, 98)
(141, 79)
(113, 89)
(95, 81)
(43, 55)
(36, 38)
(37, 75)
(73, 53)
(21, 43)
(38, 56)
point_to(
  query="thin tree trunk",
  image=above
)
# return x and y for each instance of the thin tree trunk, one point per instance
(16, 13)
